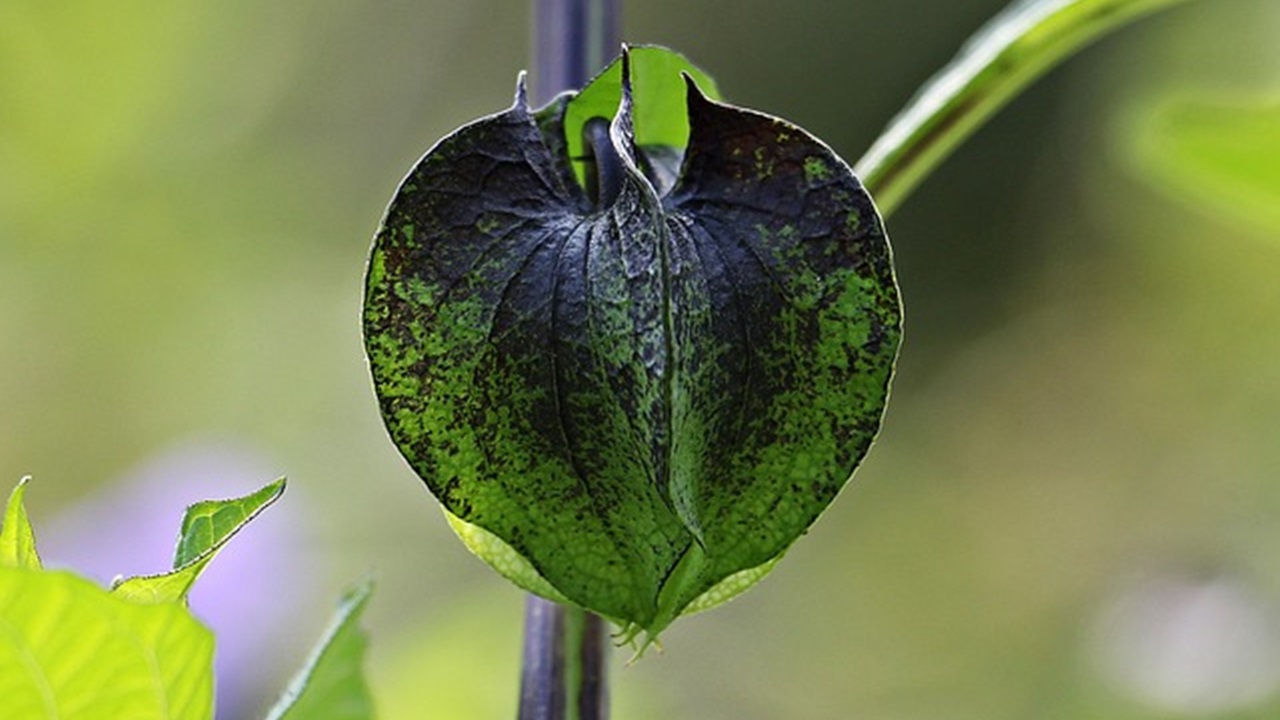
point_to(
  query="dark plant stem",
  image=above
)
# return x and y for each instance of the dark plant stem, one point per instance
(564, 671)
(573, 39)
(542, 684)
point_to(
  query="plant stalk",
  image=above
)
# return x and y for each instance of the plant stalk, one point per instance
(1017, 46)
(573, 40)
(564, 669)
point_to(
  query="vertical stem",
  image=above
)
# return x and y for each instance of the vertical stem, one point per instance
(564, 673)
(593, 686)
(542, 681)
(563, 676)
(573, 39)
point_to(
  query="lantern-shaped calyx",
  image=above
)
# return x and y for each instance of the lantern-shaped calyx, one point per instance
(632, 372)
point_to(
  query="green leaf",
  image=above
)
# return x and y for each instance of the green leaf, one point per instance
(1017, 46)
(331, 686)
(660, 118)
(645, 392)
(17, 541)
(206, 527)
(72, 651)
(1224, 158)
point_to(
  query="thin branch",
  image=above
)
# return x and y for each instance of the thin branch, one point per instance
(1013, 49)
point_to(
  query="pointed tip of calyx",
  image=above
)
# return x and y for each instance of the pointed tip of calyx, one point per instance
(626, 71)
(522, 90)
(692, 91)
(621, 127)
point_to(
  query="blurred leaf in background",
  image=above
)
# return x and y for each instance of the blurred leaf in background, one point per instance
(1222, 157)
(332, 685)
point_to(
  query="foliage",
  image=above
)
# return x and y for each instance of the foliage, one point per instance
(72, 649)
(1085, 427)
(206, 527)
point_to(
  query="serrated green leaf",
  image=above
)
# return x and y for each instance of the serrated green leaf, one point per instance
(643, 397)
(207, 525)
(1224, 158)
(332, 686)
(660, 117)
(206, 528)
(70, 650)
(17, 540)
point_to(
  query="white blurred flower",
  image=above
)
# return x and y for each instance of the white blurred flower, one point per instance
(1190, 645)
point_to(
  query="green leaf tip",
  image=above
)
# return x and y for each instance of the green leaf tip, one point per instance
(634, 394)
(331, 685)
(206, 527)
(17, 539)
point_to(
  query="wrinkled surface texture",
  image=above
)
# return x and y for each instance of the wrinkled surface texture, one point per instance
(644, 398)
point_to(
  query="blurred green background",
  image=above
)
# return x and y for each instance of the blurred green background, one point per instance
(1074, 508)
